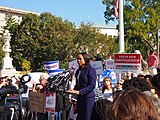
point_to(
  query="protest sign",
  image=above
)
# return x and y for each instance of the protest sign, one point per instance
(50, 102)
(107, 73)
(36, 102)
(73, 65)
(109, 63)
(51, 65)
(127, 62)
(98, 66)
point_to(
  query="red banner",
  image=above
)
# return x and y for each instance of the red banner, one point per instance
(127, 58)
(127, 62)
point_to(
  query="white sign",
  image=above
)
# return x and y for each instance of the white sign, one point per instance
(73, 65)
(51, 65)
(127, 62)
(55, 72)
(50, 101)
(109, 64)
(98, 67)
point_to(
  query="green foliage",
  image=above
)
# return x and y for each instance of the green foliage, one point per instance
(26, 65)
(89, 39)
(47, 38)
(10, 22)
(1, 52)
(141, 23)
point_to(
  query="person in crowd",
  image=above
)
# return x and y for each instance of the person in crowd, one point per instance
(128, 76)
(119, 84)
(109, 56)
(152, 62)
(72, 114)
(9, 80)
(126, 84)
(144, 65)
(156, 83)
(142, 85)
(138, 83)
(101, 109)
(148, 78)
(41, 88)
(98, 58)
(84, 88)
(140, 76)
(3, 81)
(118, 87)
(132, 104)
(107, 88)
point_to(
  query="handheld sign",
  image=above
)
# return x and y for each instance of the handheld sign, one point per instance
(127, 62)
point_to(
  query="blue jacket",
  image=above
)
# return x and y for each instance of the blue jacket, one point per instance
(86, 82)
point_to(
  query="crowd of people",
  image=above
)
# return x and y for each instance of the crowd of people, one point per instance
(132, 98)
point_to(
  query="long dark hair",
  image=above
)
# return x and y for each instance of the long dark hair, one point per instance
(86, 57)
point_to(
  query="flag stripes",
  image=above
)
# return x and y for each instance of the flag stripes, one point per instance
(116, 8)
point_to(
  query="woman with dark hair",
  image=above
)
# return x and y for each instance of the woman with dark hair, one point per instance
(156, 81)
(148, 78)
(84, 88)
(101, 109)
(132, 104)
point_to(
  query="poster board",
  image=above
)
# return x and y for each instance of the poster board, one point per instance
(127, 62)
(36, 102)
(73, 65)
(107, 73)
(51, 65)
(109, 63)
(98, 67)
(50, 102)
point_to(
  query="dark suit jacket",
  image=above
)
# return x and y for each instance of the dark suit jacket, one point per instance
(86, 82)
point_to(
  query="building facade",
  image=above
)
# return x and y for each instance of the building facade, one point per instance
(15, 13)
(107, 30)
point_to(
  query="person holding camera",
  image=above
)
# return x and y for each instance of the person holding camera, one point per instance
(84, 88)
(4, 81)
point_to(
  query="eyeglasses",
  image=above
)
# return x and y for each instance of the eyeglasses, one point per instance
(119, 83)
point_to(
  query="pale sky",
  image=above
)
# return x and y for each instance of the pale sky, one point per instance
(75, 11)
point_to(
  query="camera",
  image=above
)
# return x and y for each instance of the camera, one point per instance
(12, 107)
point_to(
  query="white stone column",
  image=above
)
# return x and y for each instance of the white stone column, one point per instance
(7, 67)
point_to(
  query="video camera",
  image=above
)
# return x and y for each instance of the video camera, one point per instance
(11, 89)
(11, 107)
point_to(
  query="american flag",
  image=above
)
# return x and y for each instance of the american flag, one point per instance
(116, 8)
